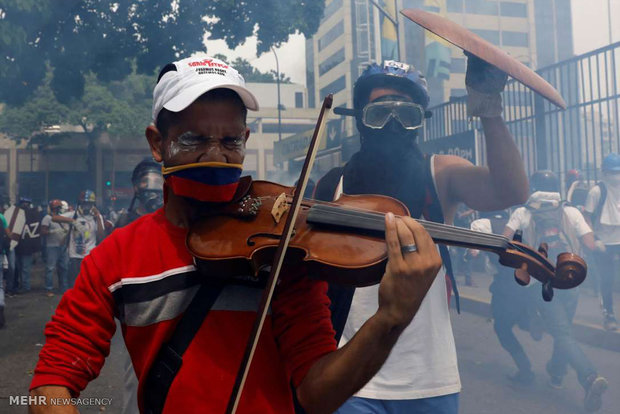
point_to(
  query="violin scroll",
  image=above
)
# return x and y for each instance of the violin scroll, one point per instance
(570, 270)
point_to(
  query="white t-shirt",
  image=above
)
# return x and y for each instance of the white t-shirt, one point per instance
(482, 225)
(83, 235)
(57, 232)
(520, 220)
(423, 362)
(609, 235)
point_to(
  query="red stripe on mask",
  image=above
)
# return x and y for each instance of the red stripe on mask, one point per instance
(200, 191)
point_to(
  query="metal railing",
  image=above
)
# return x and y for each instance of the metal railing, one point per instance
(549, 137)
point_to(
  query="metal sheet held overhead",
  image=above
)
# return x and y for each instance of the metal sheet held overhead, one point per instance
(474, 44)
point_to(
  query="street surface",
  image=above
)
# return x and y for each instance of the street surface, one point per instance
(483, 365)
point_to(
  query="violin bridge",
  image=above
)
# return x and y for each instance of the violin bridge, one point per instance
(280, 206)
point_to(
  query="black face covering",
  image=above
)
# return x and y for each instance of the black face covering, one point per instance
(151, 200)
(388, 163)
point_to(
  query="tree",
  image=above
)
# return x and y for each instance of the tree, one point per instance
(250, 73)
(120, 108)
(107, 37)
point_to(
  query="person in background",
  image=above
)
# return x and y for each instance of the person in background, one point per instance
(29, 244)
(577, 189)
(511, 304)
(546, 219)
(148, 184)
(148, 187)
(86, 230)
(4, 245)
(56, 247)
(602, 211)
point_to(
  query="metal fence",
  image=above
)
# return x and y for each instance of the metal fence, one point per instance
(549, 137)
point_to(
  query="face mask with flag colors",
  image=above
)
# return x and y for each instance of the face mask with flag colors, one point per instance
(212, 182)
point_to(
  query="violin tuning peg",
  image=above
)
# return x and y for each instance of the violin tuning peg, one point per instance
(522, 277)
(518, 236)
(547, 291)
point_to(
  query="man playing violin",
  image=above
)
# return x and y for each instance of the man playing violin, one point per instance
(390, 100)
(143, 275)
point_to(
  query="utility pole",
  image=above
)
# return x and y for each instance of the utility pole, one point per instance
(279, 106)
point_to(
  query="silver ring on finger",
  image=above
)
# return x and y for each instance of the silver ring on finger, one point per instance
(408, 248)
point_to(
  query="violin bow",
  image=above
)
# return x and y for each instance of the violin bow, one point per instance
(235, 398)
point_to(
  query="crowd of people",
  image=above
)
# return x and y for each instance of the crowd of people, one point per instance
(61, 235)
(574, 224)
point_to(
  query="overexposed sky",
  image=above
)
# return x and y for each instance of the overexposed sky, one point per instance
(590, 31)
(591, 25)
(292, 56)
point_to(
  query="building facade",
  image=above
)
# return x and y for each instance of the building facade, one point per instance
(354, 33)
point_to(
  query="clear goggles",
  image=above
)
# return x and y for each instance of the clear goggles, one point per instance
(377, 114)
(151, 181)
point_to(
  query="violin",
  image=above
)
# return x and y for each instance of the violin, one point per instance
(343, 241)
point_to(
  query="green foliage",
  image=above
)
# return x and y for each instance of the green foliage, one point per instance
(106, 37)
(121, 108)
(250, 73)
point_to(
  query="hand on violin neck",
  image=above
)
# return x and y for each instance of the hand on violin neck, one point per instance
(409, 274)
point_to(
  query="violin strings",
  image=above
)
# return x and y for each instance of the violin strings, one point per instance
(436, 227)
(448, 233)
(465, 232)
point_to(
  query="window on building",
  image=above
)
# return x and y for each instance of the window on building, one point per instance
(458, 65)
(331, 8)
(515, 39)
(331, 62)
(334, 87)
(513, 9)
(299, 99)
(331, 35)
(489, 35)
(481, 7)
(455, 6)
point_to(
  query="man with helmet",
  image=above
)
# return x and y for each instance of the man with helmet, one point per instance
(577, 189)
(56, 246)
(148, 184)
(602, 210)
(86, 230)
(546, 219)
(390, 102)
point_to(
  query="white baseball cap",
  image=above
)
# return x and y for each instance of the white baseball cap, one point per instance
(181, 83)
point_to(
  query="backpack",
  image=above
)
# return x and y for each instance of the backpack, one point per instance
(596, 214)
